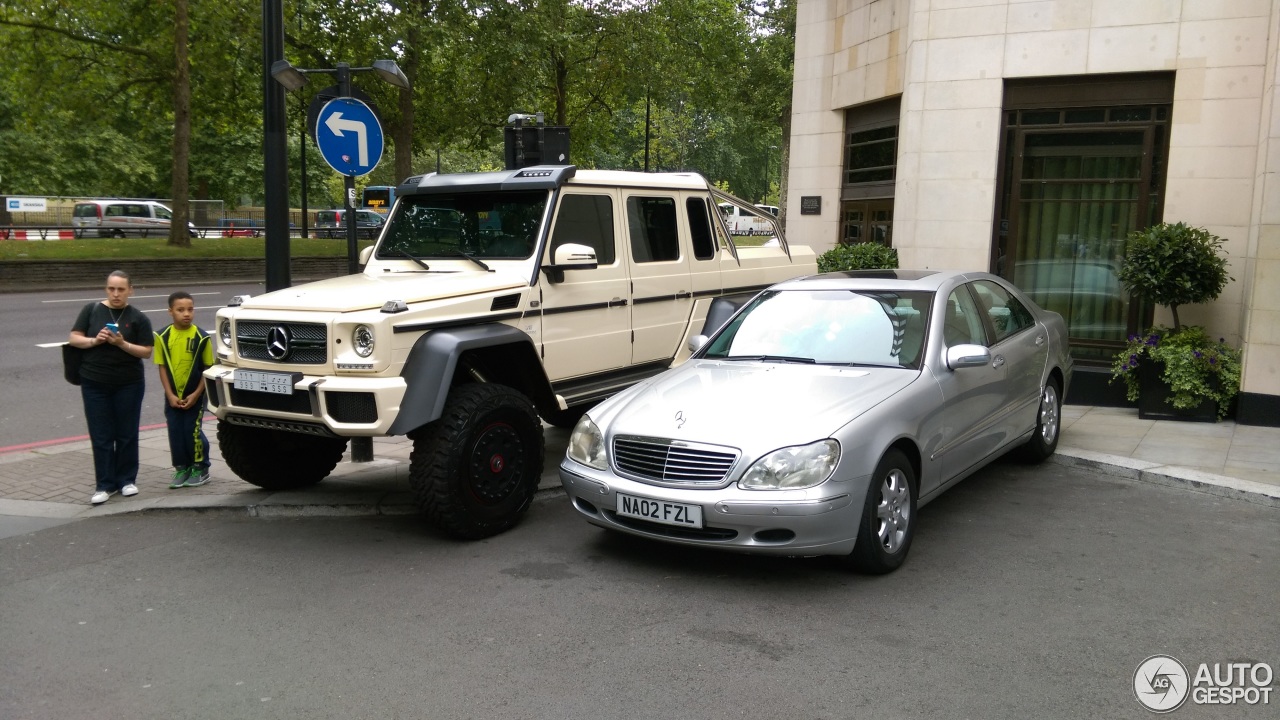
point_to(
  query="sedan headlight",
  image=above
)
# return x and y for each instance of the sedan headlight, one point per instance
(224, 332)
(793, 468)
(586, 445)
(362, 340)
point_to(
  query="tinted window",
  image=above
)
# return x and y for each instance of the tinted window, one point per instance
(1008, 316)
(114, 211)
(163, 213)
(484, 224)
(652, 223)
(139, 211)
(86, 211)
(586, 220)
(704, 247)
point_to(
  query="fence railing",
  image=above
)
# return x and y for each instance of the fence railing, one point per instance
(66, 232)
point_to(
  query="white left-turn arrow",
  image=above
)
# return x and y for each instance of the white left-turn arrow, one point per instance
(337, 125)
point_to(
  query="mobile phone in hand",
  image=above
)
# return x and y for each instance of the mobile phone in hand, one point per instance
(113, 327)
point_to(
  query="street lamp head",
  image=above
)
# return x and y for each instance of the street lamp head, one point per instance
(287, 75)
(390, 72)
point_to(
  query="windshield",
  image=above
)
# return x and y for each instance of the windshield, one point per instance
(835, 327)
(500, 225)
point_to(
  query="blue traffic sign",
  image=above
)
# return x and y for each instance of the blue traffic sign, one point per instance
(349, 136)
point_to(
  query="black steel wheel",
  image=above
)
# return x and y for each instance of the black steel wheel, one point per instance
(474, 470)
(277, 459)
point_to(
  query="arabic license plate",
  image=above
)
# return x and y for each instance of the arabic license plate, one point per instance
(660, 511)
(258, 381)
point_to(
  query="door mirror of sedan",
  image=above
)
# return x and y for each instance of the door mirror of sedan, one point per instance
(964, 356)
(696, 342)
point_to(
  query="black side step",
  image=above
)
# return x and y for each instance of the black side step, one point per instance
(594, 388)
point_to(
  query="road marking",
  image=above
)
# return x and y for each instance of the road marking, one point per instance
(49, 345)
(78, 438)
(137, 297)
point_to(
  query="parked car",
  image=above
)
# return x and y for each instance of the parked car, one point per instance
(749, 220)
(118, 218)
(240, 227)
(333, 223)
(821, 416)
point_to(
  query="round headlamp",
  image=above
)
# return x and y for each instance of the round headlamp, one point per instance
(362, 340)
(224, 332)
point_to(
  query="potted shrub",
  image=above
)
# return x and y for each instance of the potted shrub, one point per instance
(1177, 372)
(858, 256)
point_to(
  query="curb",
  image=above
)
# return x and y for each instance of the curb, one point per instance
(1171, 476)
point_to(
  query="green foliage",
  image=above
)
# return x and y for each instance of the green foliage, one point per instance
(858, 256)
(1174, 264)
(1195, 367)
(158, 247)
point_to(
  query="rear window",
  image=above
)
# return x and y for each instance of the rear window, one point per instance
(86, 211)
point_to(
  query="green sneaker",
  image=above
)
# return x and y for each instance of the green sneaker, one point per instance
(197, 476)
(179, 478)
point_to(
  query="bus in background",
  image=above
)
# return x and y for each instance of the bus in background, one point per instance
(378, 198)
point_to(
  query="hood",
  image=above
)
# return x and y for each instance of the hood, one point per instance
(366, 292)
(745, 404)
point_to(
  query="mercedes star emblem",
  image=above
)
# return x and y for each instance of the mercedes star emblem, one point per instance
(278, 342)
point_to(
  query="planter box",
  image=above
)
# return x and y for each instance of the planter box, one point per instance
(1153, 398)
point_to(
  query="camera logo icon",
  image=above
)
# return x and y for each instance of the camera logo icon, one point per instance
(1161, 683)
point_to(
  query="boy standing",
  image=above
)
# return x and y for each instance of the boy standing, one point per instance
(183, 351)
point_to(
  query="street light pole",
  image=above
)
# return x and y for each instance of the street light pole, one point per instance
(274, 150)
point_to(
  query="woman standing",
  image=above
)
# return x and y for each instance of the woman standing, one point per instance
(115, 338)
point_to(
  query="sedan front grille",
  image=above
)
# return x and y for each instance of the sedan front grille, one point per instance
(673, 462)
(307, 342)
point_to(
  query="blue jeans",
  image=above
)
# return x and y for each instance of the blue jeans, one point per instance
(113, 413)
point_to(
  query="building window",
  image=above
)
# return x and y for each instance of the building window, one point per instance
(870, 168)
(1082, 166)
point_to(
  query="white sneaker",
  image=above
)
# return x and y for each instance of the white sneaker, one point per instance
(100, 497)
(129, 490)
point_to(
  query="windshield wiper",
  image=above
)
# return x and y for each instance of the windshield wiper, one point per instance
(473, 259)
(405, 253)
(768, 358)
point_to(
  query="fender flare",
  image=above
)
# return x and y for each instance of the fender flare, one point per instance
(429, 369)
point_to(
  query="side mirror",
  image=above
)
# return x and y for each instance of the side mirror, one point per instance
(572, 256)
(365, 254)
(696, 342)
(965, 356)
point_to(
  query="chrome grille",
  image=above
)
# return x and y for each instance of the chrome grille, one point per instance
(673, 462)
(308, 342)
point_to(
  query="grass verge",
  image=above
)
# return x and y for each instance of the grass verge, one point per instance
(136, 248)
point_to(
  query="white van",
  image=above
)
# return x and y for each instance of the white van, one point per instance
(118, 218)
(758, 220)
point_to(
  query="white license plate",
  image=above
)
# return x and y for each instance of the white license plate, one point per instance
(660, 511)
(258, 381)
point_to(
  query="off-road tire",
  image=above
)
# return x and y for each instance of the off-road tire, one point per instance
(474, 470)
(1044, 441)
(277, 459)
(888, 517)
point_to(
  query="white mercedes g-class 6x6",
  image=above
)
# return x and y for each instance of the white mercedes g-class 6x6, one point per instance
(490, 299)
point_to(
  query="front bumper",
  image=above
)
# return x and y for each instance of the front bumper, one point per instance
(320, 404)
(759, 522)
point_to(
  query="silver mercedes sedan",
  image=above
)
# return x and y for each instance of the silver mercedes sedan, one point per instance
(823, 414)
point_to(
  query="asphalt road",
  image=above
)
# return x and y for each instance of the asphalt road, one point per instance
(36, 404)
(1029, 593)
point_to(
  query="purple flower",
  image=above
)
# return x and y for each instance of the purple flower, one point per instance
(1213, 361)
(1198, 355)
(1132, 338)
(1153, 340)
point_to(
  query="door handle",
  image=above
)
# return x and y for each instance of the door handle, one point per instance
(1039, 340)
(997, 361)
(684, 294)
(617, 302)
